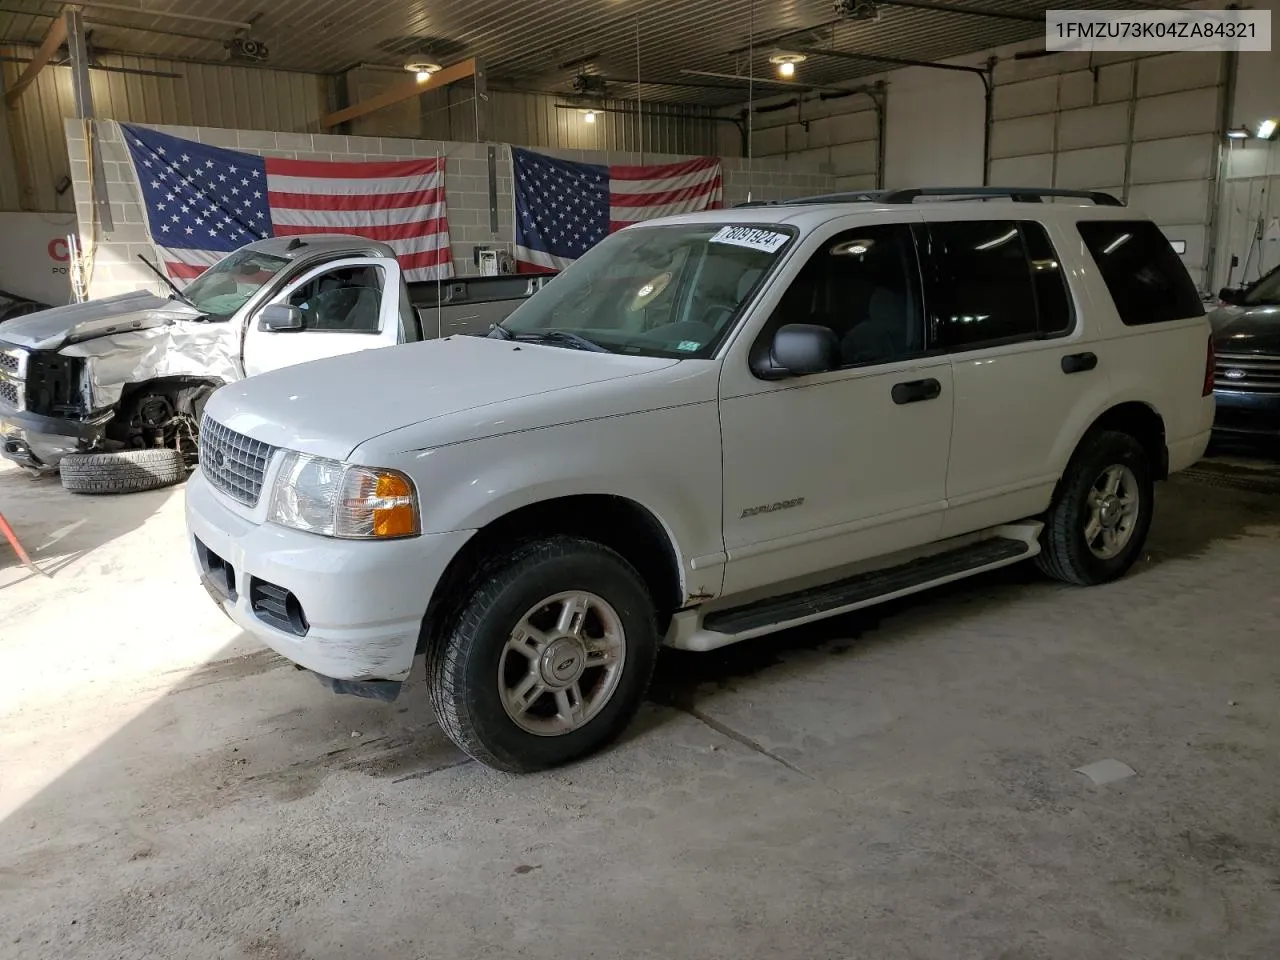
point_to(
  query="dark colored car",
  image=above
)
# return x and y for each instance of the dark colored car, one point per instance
(13, 306)
(1246, 339)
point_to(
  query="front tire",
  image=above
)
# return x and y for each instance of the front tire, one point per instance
(548, 658)
(1101, 513)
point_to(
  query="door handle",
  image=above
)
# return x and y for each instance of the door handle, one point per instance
(913, 391)
(1079, 362)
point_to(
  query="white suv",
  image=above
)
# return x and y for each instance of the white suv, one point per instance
(708, 428)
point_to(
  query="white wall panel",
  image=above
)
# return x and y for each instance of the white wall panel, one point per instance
(1173, 202)
(1022, 135)
(1086, 169)
(1179, 71)
(1029, 171)
(1174, 114)
(1093, 126)
(1115, 82)
(1181, 158)
(1024, 99)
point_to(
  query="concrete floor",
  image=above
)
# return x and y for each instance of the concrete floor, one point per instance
(897, 784)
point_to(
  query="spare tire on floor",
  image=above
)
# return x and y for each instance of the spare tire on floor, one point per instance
(124, 471)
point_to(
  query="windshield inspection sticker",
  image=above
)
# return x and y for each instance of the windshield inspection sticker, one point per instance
(751, 237)
(688, 346)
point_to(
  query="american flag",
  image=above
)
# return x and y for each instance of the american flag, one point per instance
(563, 208)
(203, 202)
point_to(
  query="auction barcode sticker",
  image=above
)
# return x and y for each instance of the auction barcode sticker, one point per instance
(1158, 31)
(752, 237)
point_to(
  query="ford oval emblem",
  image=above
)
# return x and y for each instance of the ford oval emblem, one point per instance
(1234, 374)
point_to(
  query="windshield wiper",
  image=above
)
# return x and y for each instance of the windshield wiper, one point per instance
(178, 294)
(561, 338)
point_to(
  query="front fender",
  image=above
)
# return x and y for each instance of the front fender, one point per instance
(666, 461)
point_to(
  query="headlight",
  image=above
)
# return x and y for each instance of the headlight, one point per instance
(338, 500)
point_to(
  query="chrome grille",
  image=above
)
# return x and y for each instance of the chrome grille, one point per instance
(9, 362)
(10, 392)
(232, 462)
(1249, 372)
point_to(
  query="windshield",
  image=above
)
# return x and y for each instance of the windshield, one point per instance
(669, 291)
(1266, 292)
(226, 286)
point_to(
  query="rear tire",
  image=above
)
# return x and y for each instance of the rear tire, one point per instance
(124, 471)
(548, 657)
(1101, 513)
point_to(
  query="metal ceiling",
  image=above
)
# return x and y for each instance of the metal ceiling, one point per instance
(544, 46)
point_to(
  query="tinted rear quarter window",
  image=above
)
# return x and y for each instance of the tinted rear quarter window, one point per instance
(1147, 280)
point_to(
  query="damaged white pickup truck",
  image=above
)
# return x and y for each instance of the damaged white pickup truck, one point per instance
(706, 429)
(111, 392)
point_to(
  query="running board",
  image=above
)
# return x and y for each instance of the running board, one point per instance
(861, 590)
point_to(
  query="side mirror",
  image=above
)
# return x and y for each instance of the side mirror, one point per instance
(1231, 295)
(799, 350)
(279, 318)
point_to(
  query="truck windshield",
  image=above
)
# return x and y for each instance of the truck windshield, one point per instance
(662, 291)
(226, 286)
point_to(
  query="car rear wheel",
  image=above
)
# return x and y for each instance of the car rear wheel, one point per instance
(1098, 523)
(548, 659)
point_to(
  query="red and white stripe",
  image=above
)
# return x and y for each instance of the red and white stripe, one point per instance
(399, 202)
(663, 190)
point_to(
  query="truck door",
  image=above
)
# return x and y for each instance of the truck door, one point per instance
(345, 306)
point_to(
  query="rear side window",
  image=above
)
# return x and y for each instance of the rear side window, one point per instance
(1146, 278)
(992, 281)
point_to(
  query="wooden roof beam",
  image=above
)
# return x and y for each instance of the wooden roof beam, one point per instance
(406, 90)
(54, 38)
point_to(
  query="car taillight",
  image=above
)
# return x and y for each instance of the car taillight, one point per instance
(1209, 362)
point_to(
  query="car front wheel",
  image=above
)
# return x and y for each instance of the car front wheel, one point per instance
(549, 657)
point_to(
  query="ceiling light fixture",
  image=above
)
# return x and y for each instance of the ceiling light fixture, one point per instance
(1266, 129)
(422, 70)
(1238, 133)
(786, 63)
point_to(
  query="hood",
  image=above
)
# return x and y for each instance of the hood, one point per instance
(1246, 329)
(53, 328)
(329, 407)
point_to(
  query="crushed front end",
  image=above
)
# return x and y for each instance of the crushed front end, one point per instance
(45, 407)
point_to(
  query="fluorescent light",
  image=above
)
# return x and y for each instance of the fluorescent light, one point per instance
(1003, 238)
(1266, 129)
(1238, 133)
(1117, 243)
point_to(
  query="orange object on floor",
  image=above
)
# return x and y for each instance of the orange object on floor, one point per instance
(17, 545)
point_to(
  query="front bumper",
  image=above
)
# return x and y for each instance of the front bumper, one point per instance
(1246, 414)
(37, 441)
(361, 602)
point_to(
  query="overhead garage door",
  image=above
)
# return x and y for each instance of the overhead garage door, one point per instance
(1146, 130)
(829, 136)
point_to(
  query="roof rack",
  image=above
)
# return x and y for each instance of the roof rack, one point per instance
(1020, 194)
(911, 194)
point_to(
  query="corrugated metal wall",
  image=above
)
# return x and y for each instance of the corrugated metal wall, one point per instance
(202, 95)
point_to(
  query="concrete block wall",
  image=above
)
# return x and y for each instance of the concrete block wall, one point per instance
(117, 269)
